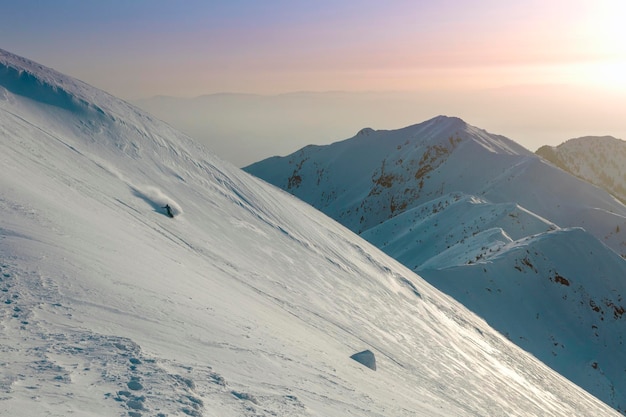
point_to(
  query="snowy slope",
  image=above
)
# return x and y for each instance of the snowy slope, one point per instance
(456, 204)
(569, 314)
(247, 303)
(601, 160)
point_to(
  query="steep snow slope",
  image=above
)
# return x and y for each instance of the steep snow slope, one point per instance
(425, 237)
(247, 303)
(456, 204)
(599, 160)
(569, 314)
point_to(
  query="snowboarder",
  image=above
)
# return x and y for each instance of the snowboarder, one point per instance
(169, 210)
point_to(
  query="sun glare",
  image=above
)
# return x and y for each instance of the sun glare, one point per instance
(604, 44)
(612, 75)
(606, 75)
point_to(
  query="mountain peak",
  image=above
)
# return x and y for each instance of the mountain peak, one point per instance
(591, 140)
(599, 160)
(439, 124)
(366, 131)
(453, 120)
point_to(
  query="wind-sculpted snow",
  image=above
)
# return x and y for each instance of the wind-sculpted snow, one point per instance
(570, 314)
(456, 204)
(23, 78)
(249, 304)
(424, 237)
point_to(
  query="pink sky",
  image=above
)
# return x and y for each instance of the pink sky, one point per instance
(194, 48)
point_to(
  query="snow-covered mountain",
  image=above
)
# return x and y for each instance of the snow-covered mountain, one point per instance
(530, 248)
(601, 160)
(247, 303)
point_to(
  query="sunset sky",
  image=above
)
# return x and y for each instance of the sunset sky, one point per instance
(142, 48)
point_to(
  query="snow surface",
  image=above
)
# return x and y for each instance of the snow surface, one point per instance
(247, 303)
(530, 248)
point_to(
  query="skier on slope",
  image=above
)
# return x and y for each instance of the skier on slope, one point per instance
(169, 210)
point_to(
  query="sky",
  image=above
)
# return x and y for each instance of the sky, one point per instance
(145, 48)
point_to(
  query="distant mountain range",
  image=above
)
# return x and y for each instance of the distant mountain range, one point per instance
(536, 251)
(601, 160)
(243, 128)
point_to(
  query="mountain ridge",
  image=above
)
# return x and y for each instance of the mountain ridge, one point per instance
(599, 160)
(450, 200)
